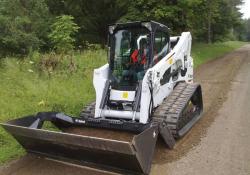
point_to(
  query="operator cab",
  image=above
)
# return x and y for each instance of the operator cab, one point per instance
(133, 48)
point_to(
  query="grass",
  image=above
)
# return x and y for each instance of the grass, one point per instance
(25, 90)
(204, 52)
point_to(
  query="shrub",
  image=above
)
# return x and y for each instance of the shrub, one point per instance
(62, 34)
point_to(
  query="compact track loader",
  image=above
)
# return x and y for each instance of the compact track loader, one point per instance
(146, 90)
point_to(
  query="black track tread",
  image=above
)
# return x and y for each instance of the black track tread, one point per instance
(88, 110)
(170, 111)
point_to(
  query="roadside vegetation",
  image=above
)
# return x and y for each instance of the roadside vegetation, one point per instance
(51, 82)
(202, 52)
(49, 48)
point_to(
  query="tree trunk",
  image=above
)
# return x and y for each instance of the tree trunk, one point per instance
(209, 31)
(209, 23)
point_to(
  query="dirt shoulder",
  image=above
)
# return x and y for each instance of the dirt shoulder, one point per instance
(218, 143)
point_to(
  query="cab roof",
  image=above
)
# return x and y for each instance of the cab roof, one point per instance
(150, 25)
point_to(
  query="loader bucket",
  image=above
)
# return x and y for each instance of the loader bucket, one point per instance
(134, 156)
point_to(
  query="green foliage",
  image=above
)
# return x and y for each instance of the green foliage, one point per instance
(45, 81)
(202, 52)
(94, 17)
(244, 30)
(26, 90)
(207, 20)
(62, 33)
(248, 30)
(23, 26)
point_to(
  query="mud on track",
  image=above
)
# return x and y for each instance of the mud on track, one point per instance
(216, 78)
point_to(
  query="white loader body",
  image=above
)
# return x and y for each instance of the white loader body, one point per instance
(178, 58)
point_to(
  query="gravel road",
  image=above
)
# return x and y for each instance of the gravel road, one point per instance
(218, 144)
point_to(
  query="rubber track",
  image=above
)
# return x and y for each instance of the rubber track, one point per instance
(88, 110)
(170, 111)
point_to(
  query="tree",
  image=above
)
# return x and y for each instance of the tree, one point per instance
(23, 25)
(244, 31)
(214, 20)
(168, 12)
(207, 20)
(62, 33)
(93, 17)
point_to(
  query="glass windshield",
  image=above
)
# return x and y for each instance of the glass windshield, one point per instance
(131, 55)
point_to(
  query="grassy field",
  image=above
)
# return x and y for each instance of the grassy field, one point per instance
(24, 89)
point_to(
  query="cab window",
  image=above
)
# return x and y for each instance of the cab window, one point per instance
(161, 46)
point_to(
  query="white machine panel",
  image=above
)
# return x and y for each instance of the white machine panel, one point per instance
(117, 95)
